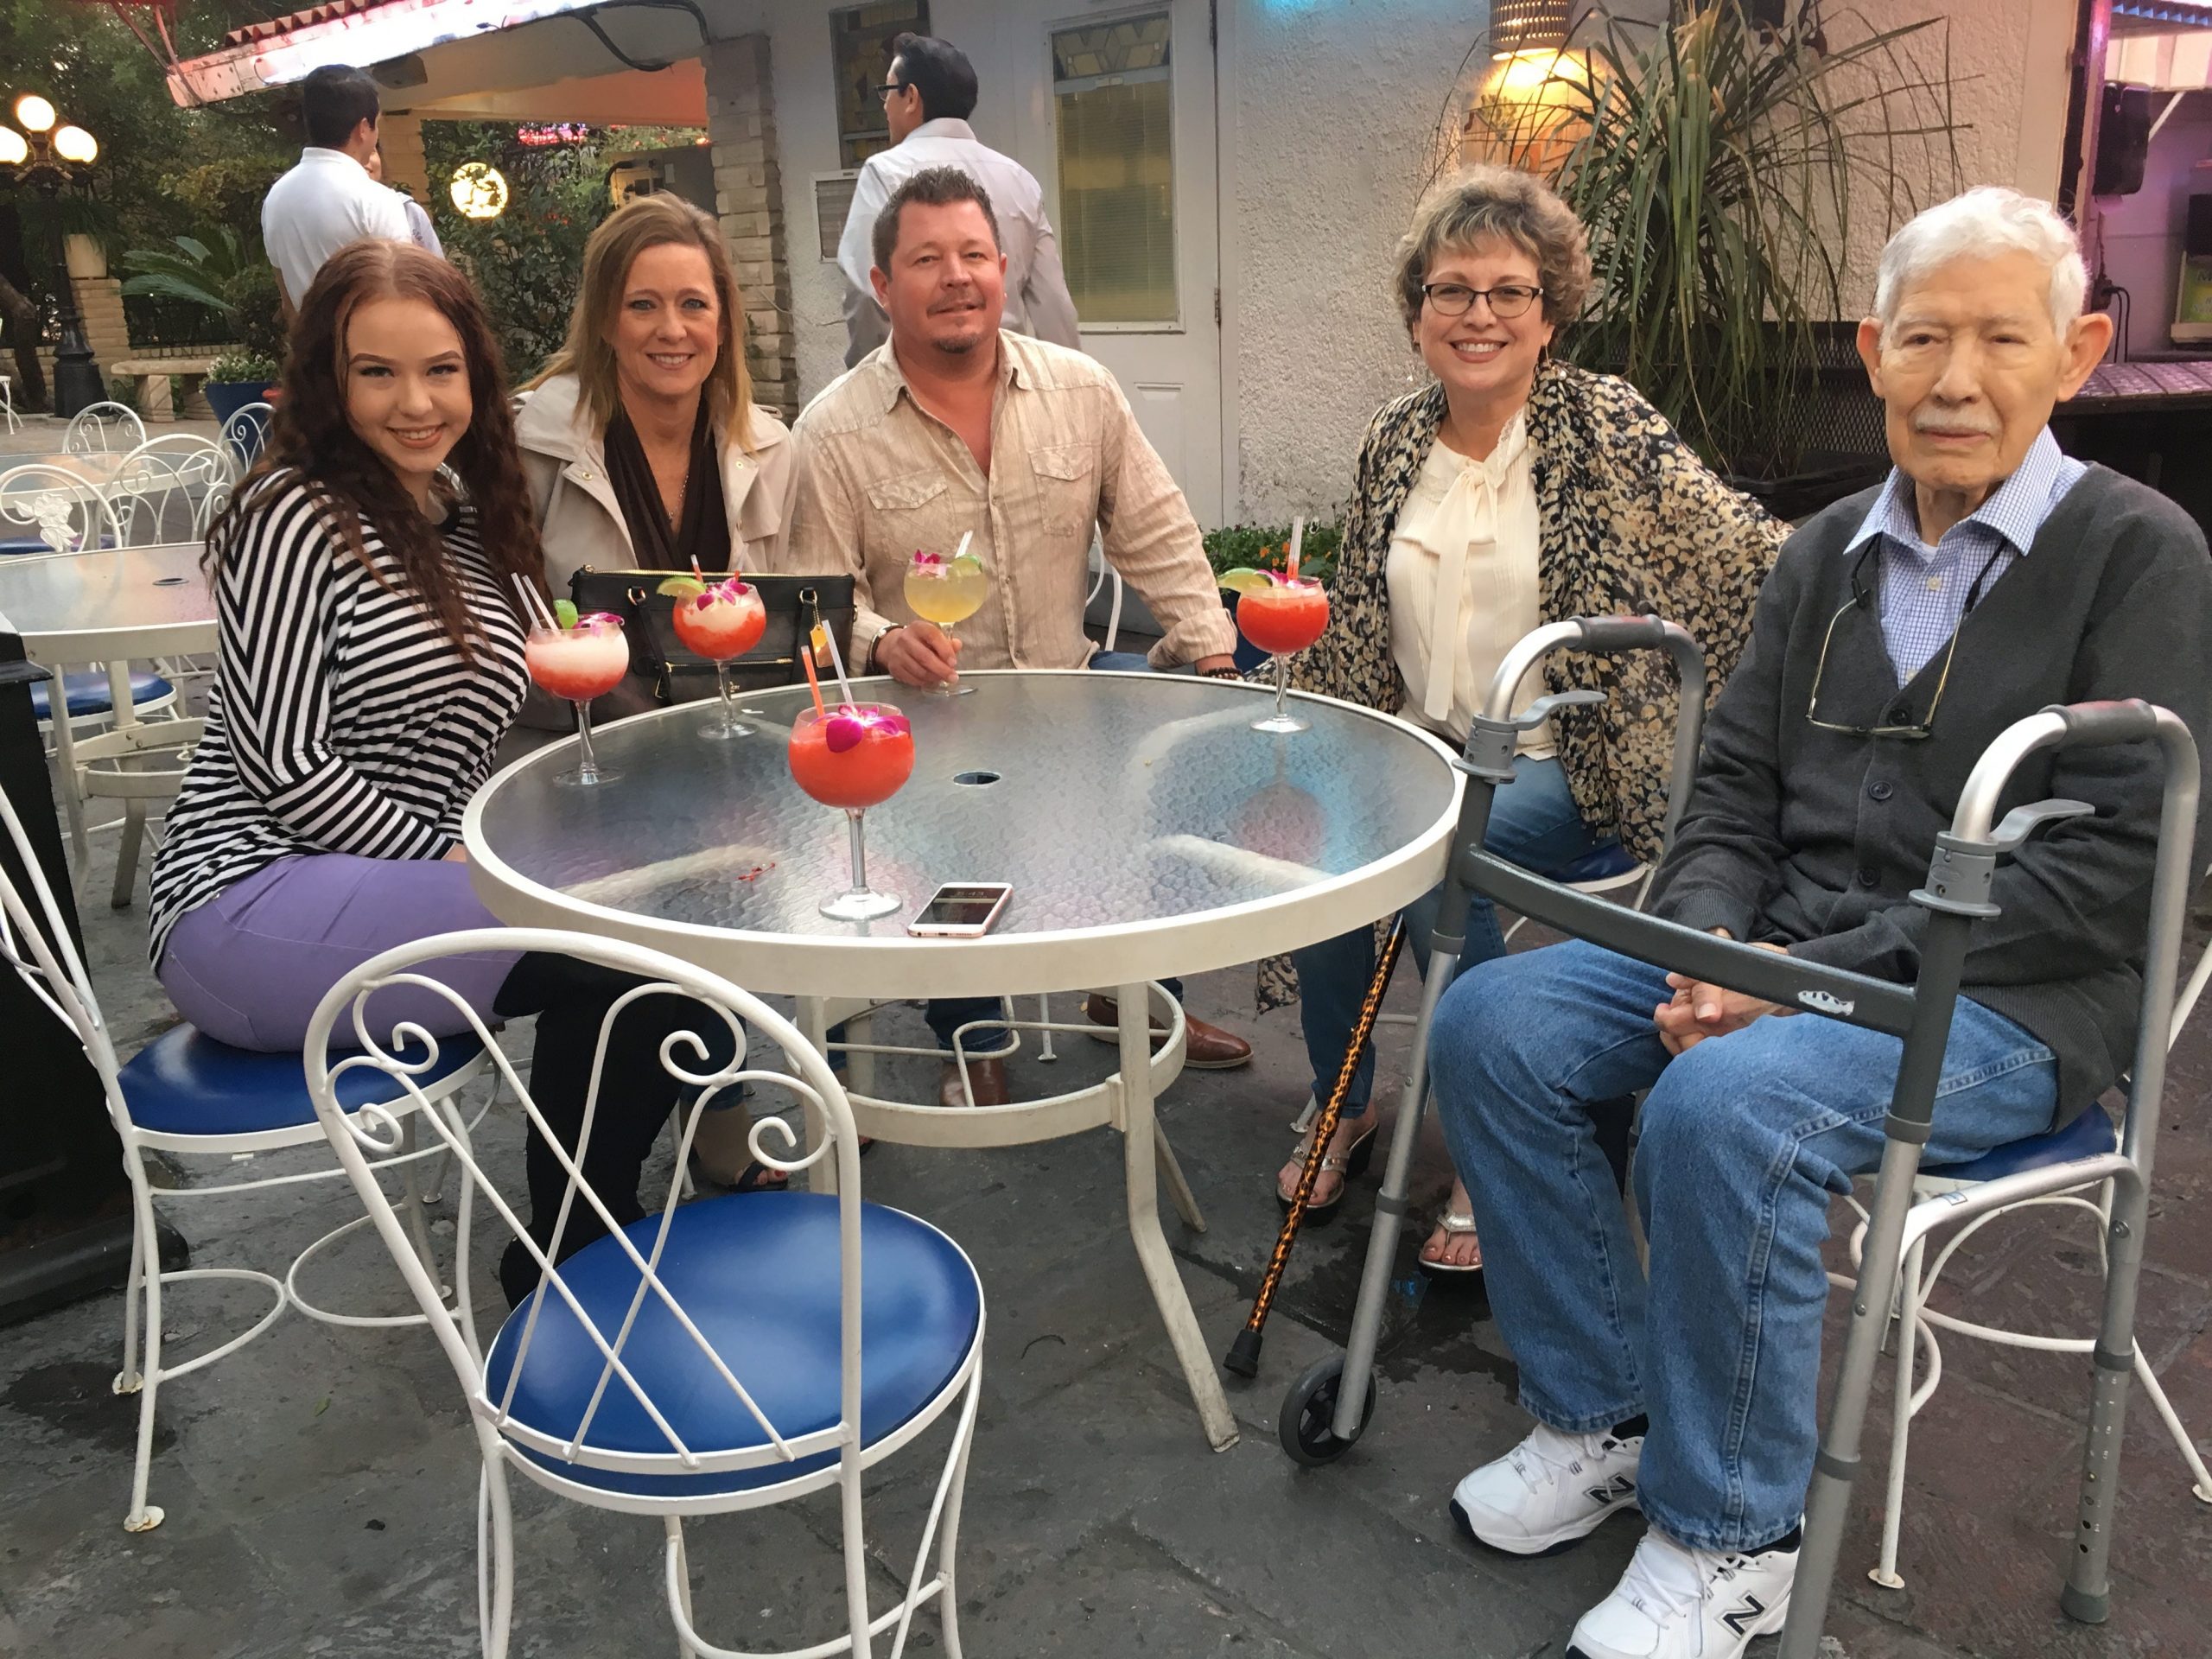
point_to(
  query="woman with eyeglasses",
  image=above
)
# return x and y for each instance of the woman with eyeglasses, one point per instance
(1509, 492)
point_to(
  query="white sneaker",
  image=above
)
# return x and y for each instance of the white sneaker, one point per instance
(1550, 1491)
(1674, 1603)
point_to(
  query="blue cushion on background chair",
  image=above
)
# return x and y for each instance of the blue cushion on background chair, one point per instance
(186, 1083)
(1597, 865)
(2087, 1136)
(757, 1273)
(87, 693)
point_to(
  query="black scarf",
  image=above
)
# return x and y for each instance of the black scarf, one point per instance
(703, 530)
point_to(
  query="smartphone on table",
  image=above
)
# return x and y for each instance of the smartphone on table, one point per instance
(961, 910)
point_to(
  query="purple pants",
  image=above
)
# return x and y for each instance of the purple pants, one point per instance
(249, 966)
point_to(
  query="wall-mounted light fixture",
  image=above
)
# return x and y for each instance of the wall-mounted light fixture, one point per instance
(1519, 25)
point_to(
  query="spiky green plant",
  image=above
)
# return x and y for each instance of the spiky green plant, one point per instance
(1723, 167)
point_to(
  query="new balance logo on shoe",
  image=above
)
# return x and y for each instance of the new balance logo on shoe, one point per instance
(1618, 1486)
(1744, 1615)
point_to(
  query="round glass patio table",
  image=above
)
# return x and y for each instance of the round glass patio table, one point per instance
(1146, 831)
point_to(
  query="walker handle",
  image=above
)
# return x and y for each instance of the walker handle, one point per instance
(1623, 633)
(2087, 723)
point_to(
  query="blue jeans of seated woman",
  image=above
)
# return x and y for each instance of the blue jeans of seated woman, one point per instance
(1533, 823)
(946, 1014)
(1744, 1138)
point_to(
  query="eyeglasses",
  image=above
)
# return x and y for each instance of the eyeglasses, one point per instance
(1926, 725)
(1507, 301)
(889, 87)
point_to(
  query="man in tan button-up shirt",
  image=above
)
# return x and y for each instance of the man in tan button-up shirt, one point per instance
(954, 426)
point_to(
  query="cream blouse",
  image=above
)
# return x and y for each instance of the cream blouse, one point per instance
(1462, 580)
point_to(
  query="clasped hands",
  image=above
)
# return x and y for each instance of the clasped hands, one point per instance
(1698, 1010)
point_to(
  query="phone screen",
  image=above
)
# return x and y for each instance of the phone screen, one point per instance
(960, 906)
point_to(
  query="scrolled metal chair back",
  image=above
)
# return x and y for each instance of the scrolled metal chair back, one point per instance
(725, 1011)
(104, 429)
(169, 488)
(68, 514)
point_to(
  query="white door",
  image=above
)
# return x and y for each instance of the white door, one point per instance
(1117, 120)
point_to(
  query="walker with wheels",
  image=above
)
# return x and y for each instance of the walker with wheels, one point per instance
(1326, 1409)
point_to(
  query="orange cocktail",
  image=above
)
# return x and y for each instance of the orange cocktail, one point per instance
(854, 755)
(583, 659)
(720, 621)
(1281, 614)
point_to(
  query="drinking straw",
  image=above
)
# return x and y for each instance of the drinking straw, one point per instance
(966, 536)
(534, 604)
(1297, 538)
(806, 661)
(822, 636)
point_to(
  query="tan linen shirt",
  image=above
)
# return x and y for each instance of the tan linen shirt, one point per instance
(877, 478)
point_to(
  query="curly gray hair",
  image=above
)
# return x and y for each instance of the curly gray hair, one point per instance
(1486, 203)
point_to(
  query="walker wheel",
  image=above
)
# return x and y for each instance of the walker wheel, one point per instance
(1309, 1409)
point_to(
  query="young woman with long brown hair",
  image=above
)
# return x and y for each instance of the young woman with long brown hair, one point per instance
(371, 659)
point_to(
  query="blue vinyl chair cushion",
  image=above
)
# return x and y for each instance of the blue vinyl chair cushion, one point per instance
(2087, 1136)
(87, 693)
(38, 545)
(757, 1273)
(185, 1082)
(1597, 865)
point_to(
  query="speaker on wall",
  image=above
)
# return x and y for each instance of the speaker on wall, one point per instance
(2123, 140)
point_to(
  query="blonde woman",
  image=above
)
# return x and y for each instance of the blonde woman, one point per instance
(642, 442)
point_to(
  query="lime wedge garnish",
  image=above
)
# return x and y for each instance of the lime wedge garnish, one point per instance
(564, 613)
(1244, 581)
(968, 564)
(681, 587)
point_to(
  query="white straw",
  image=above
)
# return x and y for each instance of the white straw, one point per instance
(837, 662)
(1297, 540)
(966, 536)
(534, 603)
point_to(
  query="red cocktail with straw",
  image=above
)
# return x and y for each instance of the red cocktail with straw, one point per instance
(579, 658)
(720, 621)
(1281, 613)
(855, 755)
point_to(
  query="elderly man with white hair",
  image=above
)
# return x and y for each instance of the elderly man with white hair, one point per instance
(1900, 632)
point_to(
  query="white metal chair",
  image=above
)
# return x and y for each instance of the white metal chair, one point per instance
(186, 1095)
(53, 510)
(715, 1357)
(2090, 1135)
(104, 429)
(8, 403)
(1105, 573)
(169, 488)
(244, 431)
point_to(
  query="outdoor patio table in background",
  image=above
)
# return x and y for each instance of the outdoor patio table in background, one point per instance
(114, 606)
(1146, 830)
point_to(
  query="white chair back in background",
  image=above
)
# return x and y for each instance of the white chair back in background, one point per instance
(169, 487)
(107, 429)
(54, 507)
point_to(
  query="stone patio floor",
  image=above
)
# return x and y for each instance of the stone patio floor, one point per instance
(320, 1484)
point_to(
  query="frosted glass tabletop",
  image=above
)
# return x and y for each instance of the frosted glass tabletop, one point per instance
(66, 604)
(1145, 829)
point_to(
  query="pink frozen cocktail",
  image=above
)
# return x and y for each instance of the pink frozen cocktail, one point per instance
(580, 661)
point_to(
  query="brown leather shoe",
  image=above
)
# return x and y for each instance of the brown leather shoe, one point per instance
(987, 1077)
(1206, 1047)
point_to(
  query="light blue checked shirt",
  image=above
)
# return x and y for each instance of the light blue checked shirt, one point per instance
(1925, 588)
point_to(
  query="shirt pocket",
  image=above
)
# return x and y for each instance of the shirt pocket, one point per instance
(906, 492)
(1067, 487)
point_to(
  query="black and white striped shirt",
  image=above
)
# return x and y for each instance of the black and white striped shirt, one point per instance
(342, 719)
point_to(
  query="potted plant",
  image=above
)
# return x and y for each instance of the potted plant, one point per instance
(1723, 162)
(230, 276)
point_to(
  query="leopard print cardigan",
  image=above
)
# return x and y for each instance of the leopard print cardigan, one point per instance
(1631, 522)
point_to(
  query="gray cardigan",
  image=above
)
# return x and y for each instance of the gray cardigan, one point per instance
(1813, 839)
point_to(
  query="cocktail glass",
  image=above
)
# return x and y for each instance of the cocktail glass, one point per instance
(720, 621)
(854, 755)
(946, 591)
(580, 663)
(1280, 614)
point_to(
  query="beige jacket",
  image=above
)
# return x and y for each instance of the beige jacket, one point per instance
(578, 516)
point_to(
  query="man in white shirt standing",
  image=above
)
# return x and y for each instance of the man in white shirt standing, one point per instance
(329, 199)
(928, 94)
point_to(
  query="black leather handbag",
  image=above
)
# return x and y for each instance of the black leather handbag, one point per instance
(662, 672)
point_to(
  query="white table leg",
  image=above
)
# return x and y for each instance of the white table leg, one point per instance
(65, 764)
(1140, 1162)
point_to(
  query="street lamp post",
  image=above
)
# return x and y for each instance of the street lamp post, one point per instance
(51, 158)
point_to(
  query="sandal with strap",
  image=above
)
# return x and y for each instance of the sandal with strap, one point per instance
(1458, 1226)
(1347, 1167)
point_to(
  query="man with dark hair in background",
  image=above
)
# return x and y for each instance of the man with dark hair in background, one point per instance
(329, 199)
(928, 94)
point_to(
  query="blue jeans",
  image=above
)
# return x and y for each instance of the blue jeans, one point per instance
(946, 1014)
(1533, 823)
(1744, 1138)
